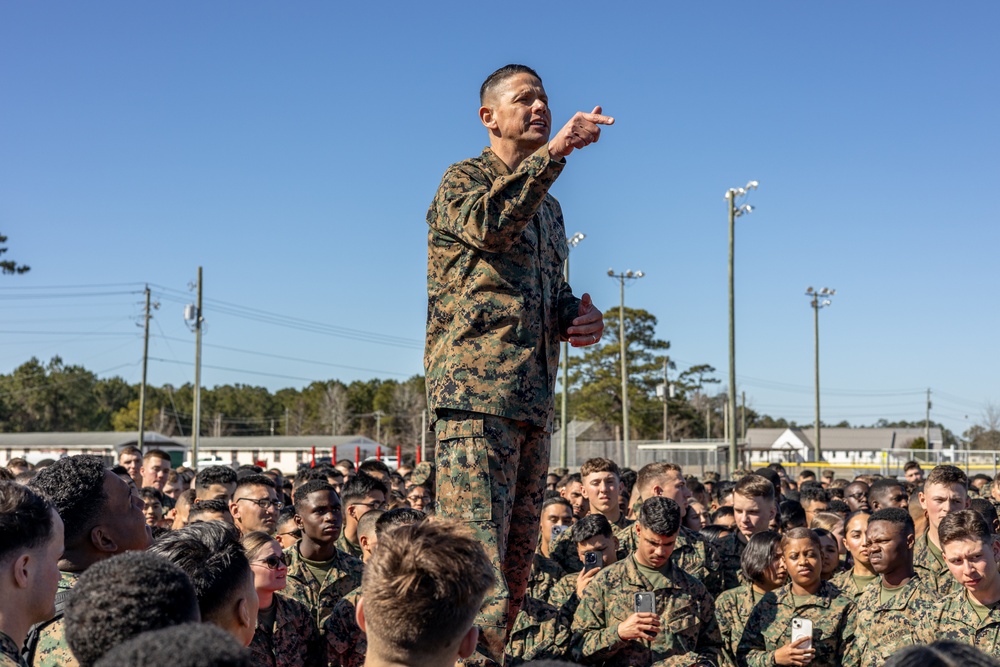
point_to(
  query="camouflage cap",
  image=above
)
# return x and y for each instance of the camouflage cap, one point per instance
(423, 474)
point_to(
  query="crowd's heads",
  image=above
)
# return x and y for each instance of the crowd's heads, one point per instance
(363, 493)
(101, 516)
(664, 479)
(377, 469)
(155, 468)
(209, 510)
(595, 533)
(890, 540)
(761, 561)
(601, 485)
(215, 483)
(366, 532)
(319, 512)
(813, 498)
(190, 645)
(122, 597)
(570, 487)
(912, 472)
(423, 587)
(885, 493)
(988, 511)
(942, 653)
(212, 556)
(255, 504)
(753, 504)
(944, 492)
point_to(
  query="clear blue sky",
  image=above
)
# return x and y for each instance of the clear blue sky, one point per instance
(292, 149)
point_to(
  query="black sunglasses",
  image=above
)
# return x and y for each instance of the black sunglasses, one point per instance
(272, 562)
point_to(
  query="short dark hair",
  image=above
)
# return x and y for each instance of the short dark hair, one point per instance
(501, 75)
(155, 454)
(214, 475)
(722, 512)
(401, 516)
(246, 470)
(212, 555)
(985, 508)
(881, 487)
(714, 532)
(800, 534)
(660, 515)
(152, 493)
(838, 507)
(759, 553)
(894, 515)
(942, 653)
(190, 645)
(75, 486)
(312, 486)
(963, 525)
(910, 465)
(791, 515)
(129, 449)
(810, 494)
(254, 480)
(204, 506)
(723, 489)
(376, 465)
(25, 519)
(123, 596)
(599, 464)
(361, 486)
(556, 500)
(947, 475)
(591, 526)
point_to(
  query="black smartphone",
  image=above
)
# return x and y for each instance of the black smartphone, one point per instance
(645, 603)
(592, 560)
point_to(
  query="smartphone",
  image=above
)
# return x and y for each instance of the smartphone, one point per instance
(644, 603)
(592, 560)
(557, 531)
(802, 627)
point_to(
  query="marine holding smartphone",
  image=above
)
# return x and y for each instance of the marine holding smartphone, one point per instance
(597, 547)
(778, 630)
(645, 610)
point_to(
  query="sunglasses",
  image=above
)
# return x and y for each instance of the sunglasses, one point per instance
(273, 562)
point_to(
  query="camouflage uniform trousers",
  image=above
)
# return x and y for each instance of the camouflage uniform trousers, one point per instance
(689, 633)
(730, 549)
(346, 643)
(545, 574)
(883, 629)
(294, 641)
(563, 548)
(844, 581)
(9, 655)
(321, 596)
(770, 627)
(732, 609)
(491, 477)
(954, 618)
(692, 553)
(936, 575)
(541, 632)
(52, 649)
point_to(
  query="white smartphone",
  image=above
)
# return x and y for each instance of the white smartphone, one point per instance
(802, 627)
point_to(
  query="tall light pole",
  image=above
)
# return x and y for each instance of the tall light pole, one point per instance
(735, 210)
(193, 315)
(818, 299)
(573, 242)
(621, 278)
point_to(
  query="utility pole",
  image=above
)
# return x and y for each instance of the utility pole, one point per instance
(927, 421)
(378, 426)
(572, 242)
(666, 395)
(621, 278)
(198, 319)
(743, 424)
(818, 299)
(423, 435)
(146, 316)
(735, 211)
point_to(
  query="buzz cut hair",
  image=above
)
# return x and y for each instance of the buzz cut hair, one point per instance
(361, 487)
(800, 534)
(947, 476)
(651, 472)
(755, 486)
(591, 526)
(423, 586)
(366, 524)
(155, 454)
(312, 486)
(255, 479)
(894, 515)
(494, 80)
(599, 464)
(964, 525)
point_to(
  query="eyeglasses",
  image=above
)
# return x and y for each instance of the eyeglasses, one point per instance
(264, 503)
(374, 505)
(423, 499)
(297, 533)
(272, 562)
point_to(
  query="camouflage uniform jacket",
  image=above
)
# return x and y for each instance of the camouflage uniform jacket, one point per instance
(564, 591)
(882, 629)
(294, 640)
(563, 548)
(52, 649)
(321, 596)
(844, 581)
(541, 632)
(349, 547)
(346, 644)
(497, 301)
(692, 553)
(954, 618)
(689, 633)
(935, 575)
(732, 609)
(545, 573)
(730, 549)
(9, 655)
(770, 627)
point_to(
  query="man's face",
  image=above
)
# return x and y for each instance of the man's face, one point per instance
(153, 511)
(373, 501)
(124, 516)
(519, 112)
(419, 498)
(811, 507)
(601, 490)
(973, 563)
(888, 546)
(347, 472)
(673, 486)
(729, 521)
(653, 550)
(939, 500)
(181, 512)
(893, 496)
(222, 492)
(573, 492)
(321, 517)
(248, 514)
(288, 533)
(556, 514)
(855, 495)
(131, 462)
(154, 472)
(753, 515)
(915, 475)
(336, 481)
(606, 546)
(174, 488)
(46, 573)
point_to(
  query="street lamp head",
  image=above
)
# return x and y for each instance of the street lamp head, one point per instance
(832, 292)
(752, 185)
(611, 272)
(576, 238)
(827, 302)
(628, 274)
(639, 274)
(809, 290)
